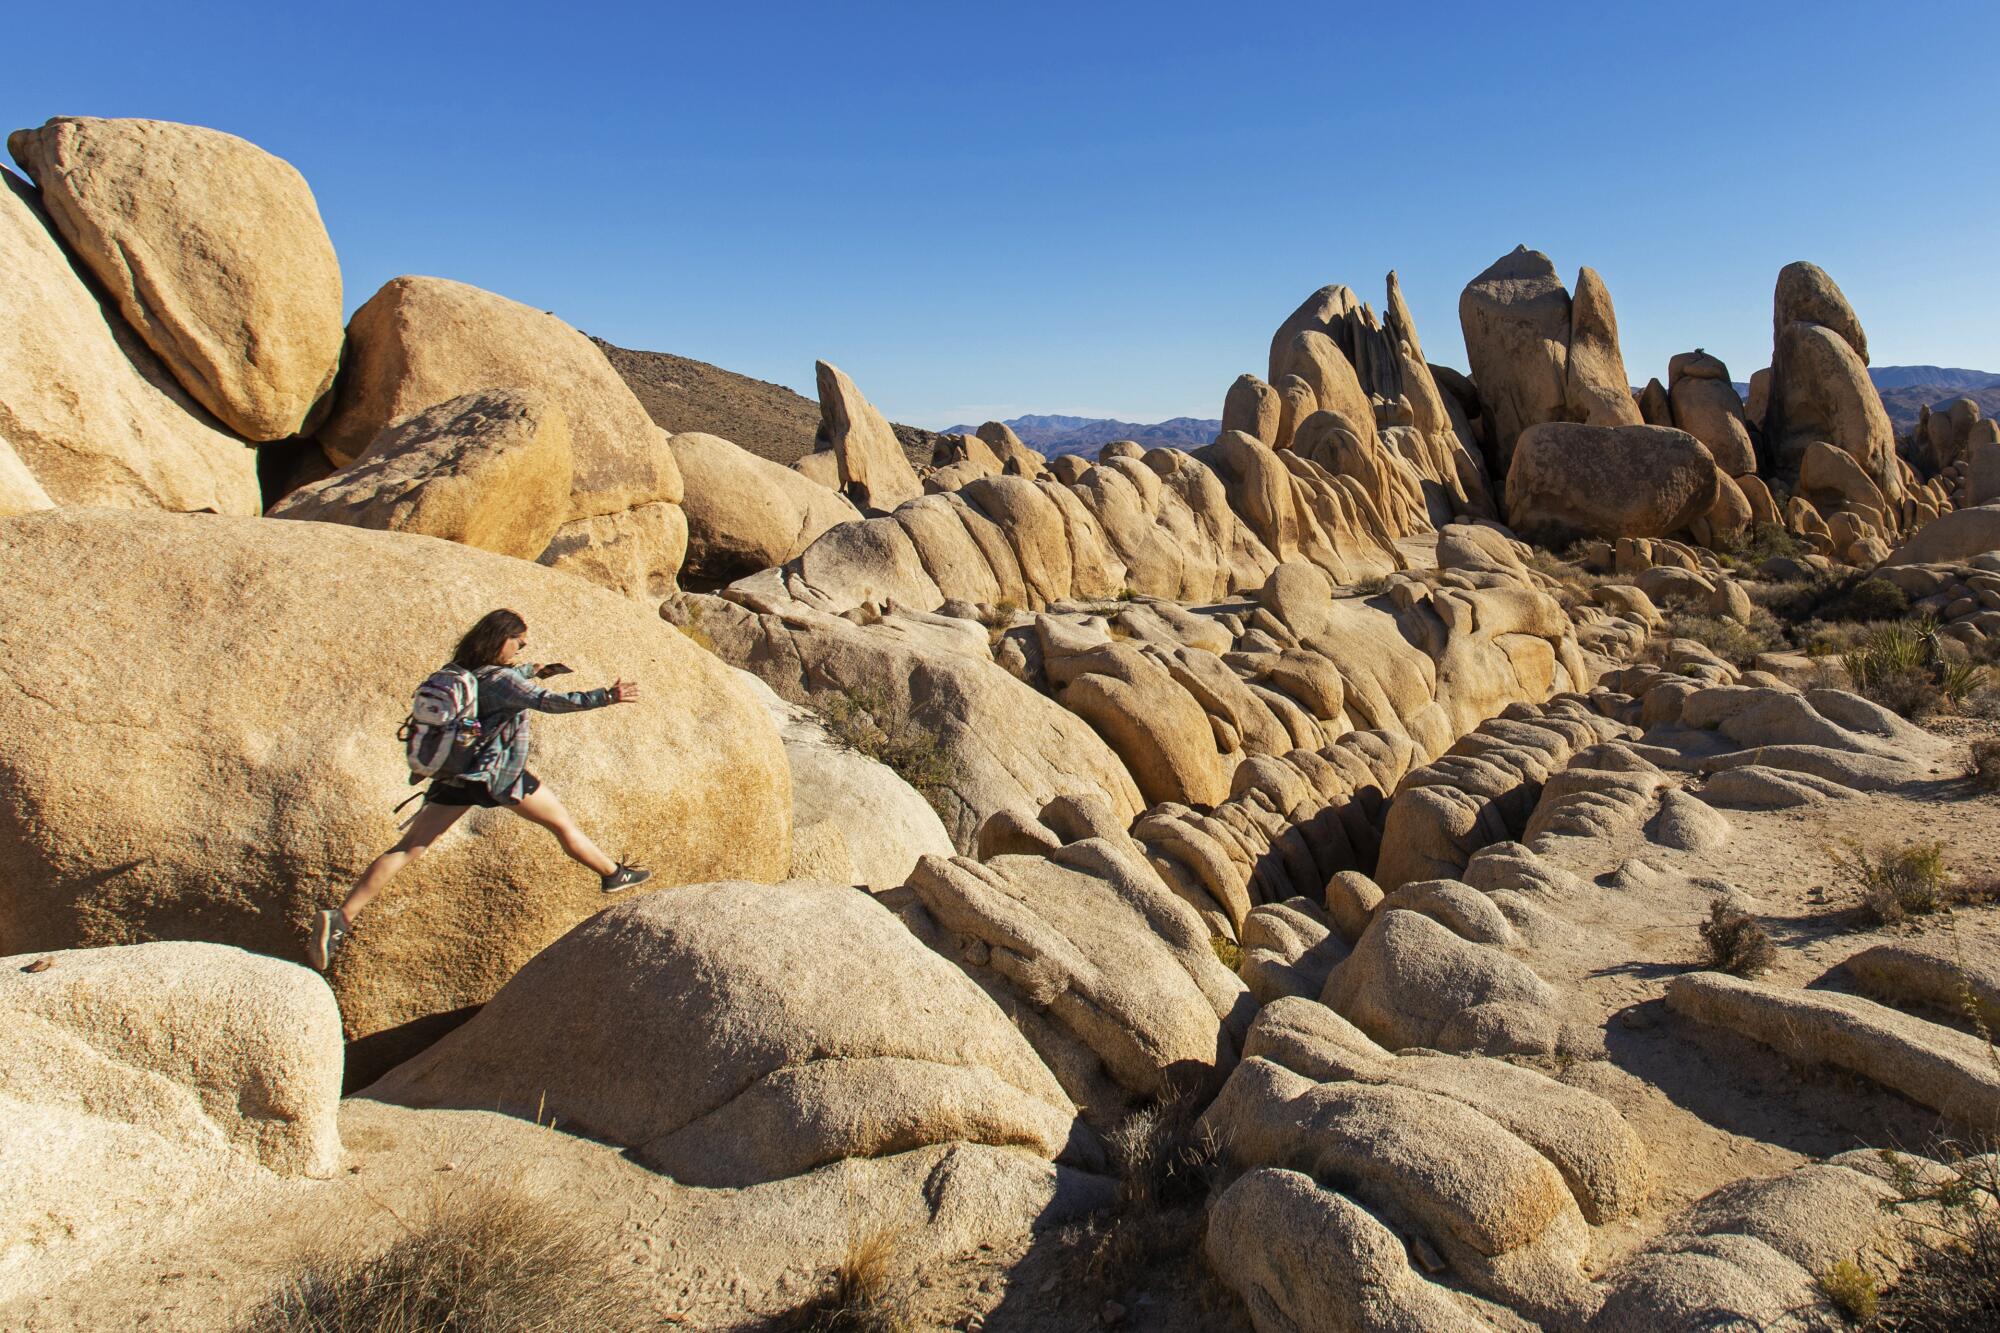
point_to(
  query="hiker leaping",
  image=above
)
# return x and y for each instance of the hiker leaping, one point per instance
(468, 733)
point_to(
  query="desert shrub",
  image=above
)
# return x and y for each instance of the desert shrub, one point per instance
(1733, 641)
(1896, 883)
(473, 1259)
(863, 1295)
(1952, 1282)
(1897, 664)
(1753, 545)
(1986, 763)
(1227, 951)
(1852, 1288)
(1735, 942)
(1871, 599)
(862, 720)
(1959, 681)
(1166, 1168)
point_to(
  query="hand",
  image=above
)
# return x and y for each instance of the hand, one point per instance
(624, 691)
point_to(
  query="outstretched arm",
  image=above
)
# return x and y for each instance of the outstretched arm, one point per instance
(514, 691)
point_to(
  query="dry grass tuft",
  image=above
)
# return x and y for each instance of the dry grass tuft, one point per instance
(1152, 1234)
(1986, 763)
(1735, 942)
(865, 1294)
(474, 1259)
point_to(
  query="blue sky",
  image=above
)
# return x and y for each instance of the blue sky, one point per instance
(1094, 209)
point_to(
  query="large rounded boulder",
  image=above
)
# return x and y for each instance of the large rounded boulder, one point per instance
(201, 716)
(746, 513)
(214, 251)
(731, 1034)
(91, 413)
(1599, 481)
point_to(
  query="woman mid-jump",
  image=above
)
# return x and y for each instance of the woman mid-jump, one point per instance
(490, 650)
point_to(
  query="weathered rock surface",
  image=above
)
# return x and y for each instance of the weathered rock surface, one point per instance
(1413, 982)
(1516, 320)
(272, 624)
(1952, 538)
(1003, 746)
(746, 513)
(488, 469)
(1596, 389)
(420, 341)
(87, 408)
(1628, 481)
(1928, 1063)
(20, 493)
(867, 458)
(1304, 1258)
(138, 1083)
(1705, 405)
(882, 824)
(733, 1033)
(215, 253)
(1108, 974)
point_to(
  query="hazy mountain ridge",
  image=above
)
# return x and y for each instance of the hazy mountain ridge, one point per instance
(1056, 435)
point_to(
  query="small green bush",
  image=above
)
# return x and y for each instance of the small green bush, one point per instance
(1852, 1288)
(1896, 883)
(862, 720)
(1897, 664)
(1735, 942)
(1227, 951)
(1754, 545)
(1873, 599)
(1733, 641)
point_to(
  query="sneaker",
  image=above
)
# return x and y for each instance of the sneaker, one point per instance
(624, 877)
(328, 933)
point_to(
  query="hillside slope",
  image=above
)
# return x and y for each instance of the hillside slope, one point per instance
(770, 420)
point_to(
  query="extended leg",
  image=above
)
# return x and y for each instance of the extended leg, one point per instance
(429, 825)
(542, 807)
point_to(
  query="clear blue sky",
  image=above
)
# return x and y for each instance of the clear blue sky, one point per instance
(986, 210)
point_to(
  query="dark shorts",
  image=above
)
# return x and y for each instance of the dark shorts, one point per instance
(475, 793)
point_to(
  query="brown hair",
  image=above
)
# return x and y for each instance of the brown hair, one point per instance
(482, 643)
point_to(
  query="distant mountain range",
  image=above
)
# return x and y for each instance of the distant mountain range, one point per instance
(1055, 435)
(1935, 377)
(683, 394)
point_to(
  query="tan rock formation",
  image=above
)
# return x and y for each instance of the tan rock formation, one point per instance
(1252, 407)
(489, 469)
(20, 493)
(420, 341)
(139, 1085)
(1016, 458)
(1516, 320)
(1705, 405)
(275, 624)
(1806, 295)
(731, 1034)
(1631, 481)
(215, 253)
(1597, 391)
(745, 513)
(91, 413)
(868, 458)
